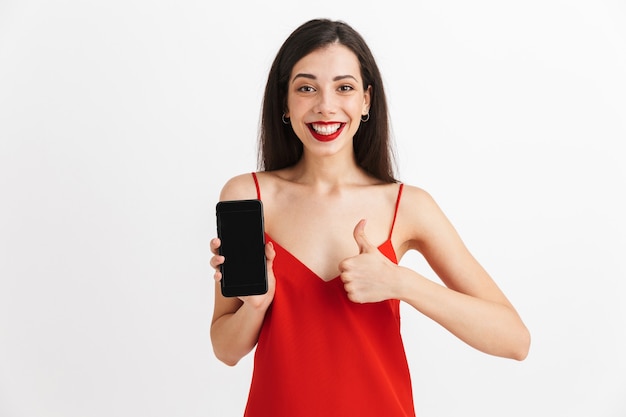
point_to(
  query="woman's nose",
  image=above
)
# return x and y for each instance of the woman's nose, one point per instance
(326, 103)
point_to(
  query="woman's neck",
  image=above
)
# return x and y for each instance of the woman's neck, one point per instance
(328, 173)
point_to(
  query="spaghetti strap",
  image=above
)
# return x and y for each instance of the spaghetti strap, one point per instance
(256, 184)
(395, 213)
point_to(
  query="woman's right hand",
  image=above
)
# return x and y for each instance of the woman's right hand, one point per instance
(237, 321)
(256, 301)
(216, 259)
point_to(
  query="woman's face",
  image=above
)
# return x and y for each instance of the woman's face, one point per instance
(326, 99)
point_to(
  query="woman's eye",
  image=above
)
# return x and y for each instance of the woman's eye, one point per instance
(345, 88)
(306, 89)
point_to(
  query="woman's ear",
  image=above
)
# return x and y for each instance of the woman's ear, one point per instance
(366, 100)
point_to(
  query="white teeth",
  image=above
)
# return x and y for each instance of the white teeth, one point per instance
(326, 129)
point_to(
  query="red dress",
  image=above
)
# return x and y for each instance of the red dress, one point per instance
(321, 355)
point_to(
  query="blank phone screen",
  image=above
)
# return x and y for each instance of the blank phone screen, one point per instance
(240, 229)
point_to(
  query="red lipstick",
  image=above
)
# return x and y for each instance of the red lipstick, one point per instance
(326, 131)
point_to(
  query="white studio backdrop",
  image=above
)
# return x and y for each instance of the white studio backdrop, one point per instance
(121, 120)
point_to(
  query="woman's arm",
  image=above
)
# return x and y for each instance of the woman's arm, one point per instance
(237, 321)
(490, 326)
(470, 305)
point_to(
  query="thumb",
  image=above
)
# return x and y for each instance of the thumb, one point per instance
(270, 252)
(361, 239)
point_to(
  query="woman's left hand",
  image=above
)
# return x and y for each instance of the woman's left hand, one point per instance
(368, 276)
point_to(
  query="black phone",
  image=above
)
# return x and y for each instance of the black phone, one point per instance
(241, 229)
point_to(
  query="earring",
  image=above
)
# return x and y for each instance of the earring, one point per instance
(366, 117)
(285, 119)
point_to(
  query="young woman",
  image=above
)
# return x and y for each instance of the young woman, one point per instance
(327, 333)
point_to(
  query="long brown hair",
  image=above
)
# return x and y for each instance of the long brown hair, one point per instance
(279, 147)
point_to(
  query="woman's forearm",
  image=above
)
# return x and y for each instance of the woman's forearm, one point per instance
(234, 335)
(490, 327)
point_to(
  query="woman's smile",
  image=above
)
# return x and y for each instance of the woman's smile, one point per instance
(325, 131)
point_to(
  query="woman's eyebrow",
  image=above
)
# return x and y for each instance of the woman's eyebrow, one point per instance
(343, 77)
(313, 77)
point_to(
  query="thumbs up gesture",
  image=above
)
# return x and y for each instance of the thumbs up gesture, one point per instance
(367, 277)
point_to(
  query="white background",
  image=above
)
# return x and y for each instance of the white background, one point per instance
(121, 120)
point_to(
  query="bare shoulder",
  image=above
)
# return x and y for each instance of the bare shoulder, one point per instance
(415, 200)
(419, 217)
(240, 187)
(243, 187)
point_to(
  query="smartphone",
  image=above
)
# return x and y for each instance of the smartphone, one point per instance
(240, 228)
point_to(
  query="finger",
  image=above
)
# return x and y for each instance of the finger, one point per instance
(270, 252)
(216, 261)
(360, 237)
(215, 244)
